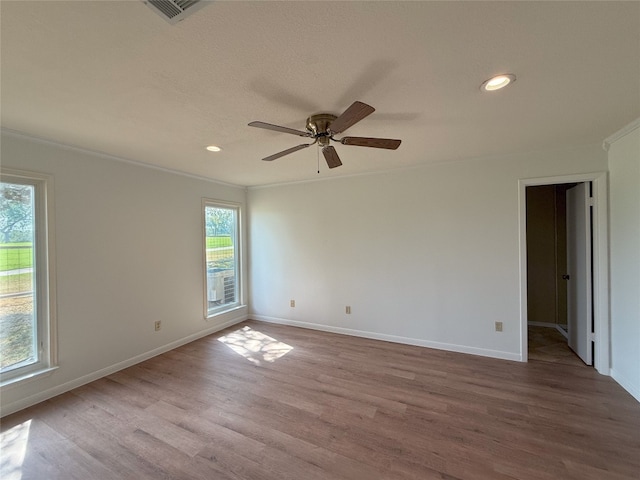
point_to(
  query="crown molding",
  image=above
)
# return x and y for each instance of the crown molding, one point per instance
(95, 153)
(620, 133)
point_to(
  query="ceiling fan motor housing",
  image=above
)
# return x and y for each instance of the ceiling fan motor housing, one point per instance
(318, 125)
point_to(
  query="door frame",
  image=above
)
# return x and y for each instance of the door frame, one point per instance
(600, 248)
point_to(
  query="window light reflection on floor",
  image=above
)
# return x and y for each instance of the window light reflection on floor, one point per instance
(255, 346)
(14, 447)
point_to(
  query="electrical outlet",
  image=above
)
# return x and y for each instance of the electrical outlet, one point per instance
(158, 325)
(348, 309)
(498, 326)
(292, 303)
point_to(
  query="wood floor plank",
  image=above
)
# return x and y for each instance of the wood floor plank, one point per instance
(332, 408)
(100, 444)
(52, 455)
(335, 464)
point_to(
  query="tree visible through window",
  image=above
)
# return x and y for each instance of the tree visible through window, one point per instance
(221, 257)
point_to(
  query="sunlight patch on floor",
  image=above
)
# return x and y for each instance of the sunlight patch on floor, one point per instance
(14, 447)
(255, 346)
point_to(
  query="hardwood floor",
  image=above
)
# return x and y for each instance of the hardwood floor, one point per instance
(330, 407)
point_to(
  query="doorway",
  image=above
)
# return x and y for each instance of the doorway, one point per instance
(597, 273)
(551, 255)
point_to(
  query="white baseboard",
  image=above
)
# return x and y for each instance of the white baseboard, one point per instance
(392, 338)
(562, 331)
(78, 382)
(627, 384)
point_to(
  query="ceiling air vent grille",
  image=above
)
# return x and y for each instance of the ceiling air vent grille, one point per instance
(174, 11)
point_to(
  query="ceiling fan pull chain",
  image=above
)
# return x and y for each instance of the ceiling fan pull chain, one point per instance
(318, 157)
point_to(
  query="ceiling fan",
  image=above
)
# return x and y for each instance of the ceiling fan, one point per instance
(323, 126)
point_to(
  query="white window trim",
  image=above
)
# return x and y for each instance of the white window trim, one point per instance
(239, 303)
(46, 275)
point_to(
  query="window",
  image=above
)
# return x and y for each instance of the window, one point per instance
(221, 257)
(27, 326)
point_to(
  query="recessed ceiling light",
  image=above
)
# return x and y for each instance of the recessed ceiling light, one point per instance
(498, 82)
(213, 148)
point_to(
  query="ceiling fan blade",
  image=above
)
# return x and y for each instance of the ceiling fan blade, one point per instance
(331, 156)
(278, 128)
(352, 115)
(286, 152)
(371, 142)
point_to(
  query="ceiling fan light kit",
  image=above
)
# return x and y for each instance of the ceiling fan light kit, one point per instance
(323, 126)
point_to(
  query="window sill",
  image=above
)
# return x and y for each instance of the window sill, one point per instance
(28, 377)
(222, 312)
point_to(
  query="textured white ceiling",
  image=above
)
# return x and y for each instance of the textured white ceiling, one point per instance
(114, 77)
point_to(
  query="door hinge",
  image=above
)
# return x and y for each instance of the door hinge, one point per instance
(591, 201)
(592, 336)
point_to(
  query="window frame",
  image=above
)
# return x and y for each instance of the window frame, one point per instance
(45, 294)
(238, 260)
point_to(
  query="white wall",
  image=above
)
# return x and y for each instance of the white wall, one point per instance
(129, 252)
(427, 256)
(624, 178)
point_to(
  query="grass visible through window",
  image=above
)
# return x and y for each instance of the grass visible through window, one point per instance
(14, 256)
(219, 242)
